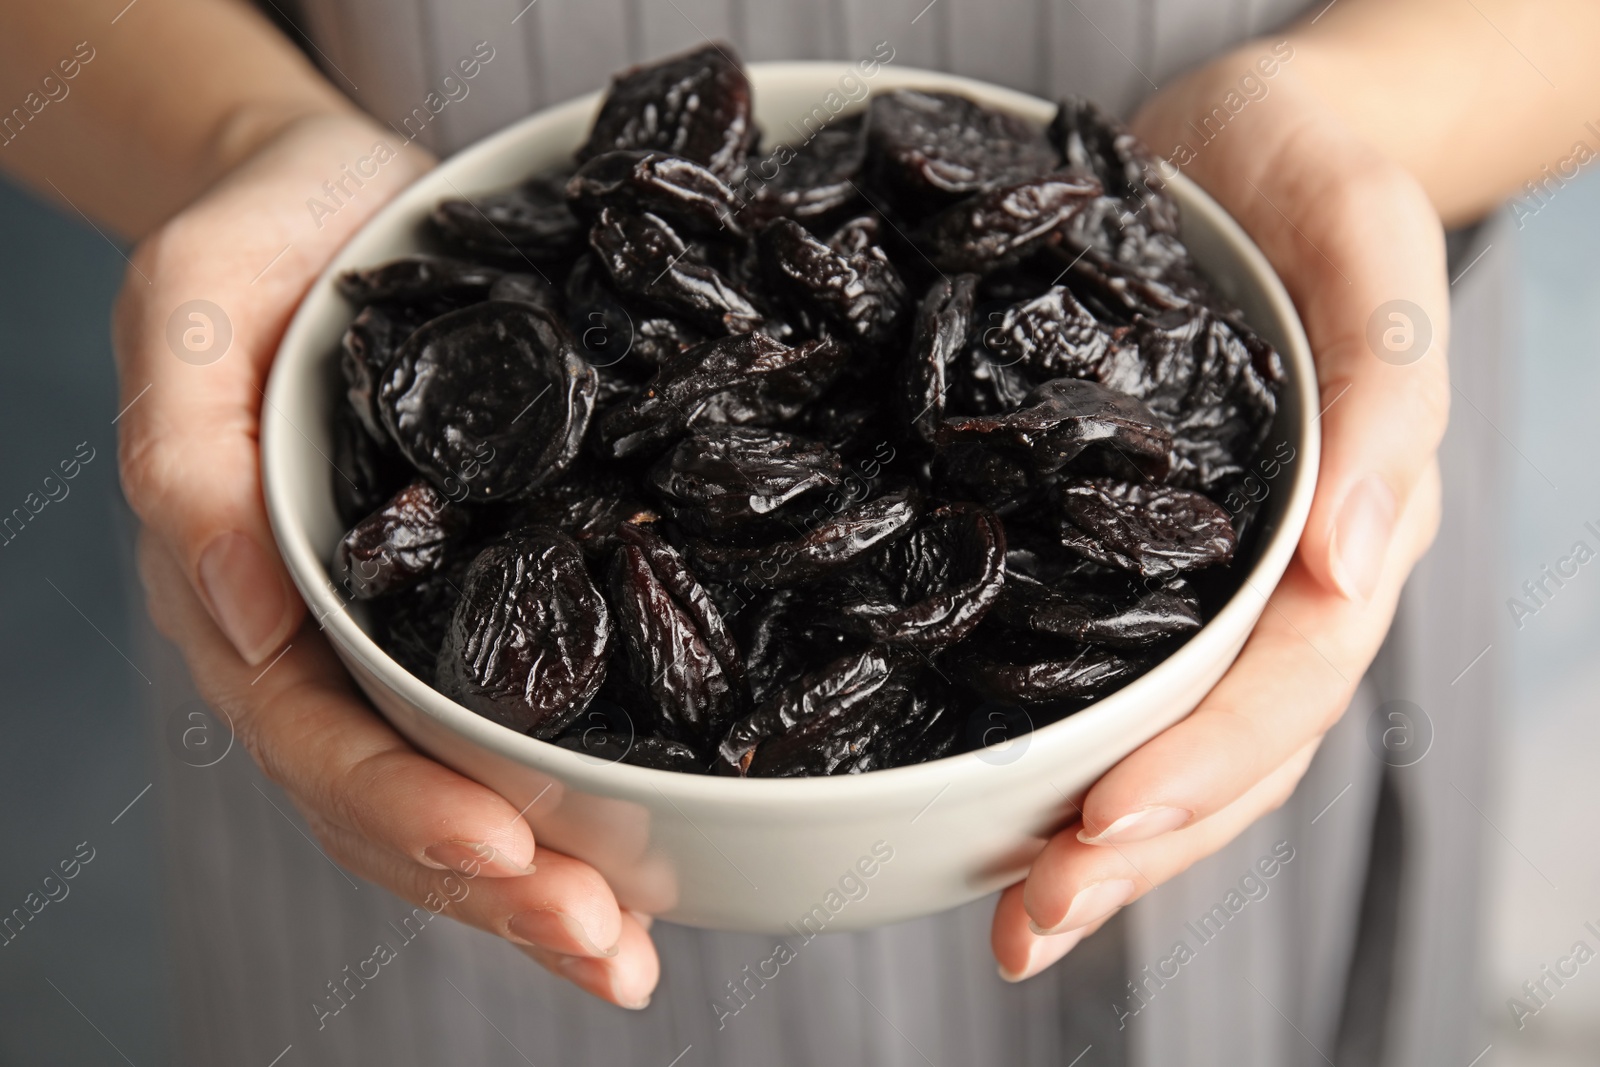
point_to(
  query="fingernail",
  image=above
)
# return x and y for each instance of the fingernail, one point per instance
(245, 594)
(1361, 537)
(1042, 953)
(1090, 904)
(473, 858)
(592, 976)
(1138, 826)
(555, 929)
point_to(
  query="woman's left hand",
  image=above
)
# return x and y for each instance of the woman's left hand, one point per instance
(1348, 231)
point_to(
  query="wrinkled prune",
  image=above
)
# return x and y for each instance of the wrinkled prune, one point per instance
(418, 278)
(696, 105)
(940, 580)
(1062, 418)
(1112, 610)
(944, 318)
(1028, 673)
(687, 195)
(528, 640)
(1003, 223)
(820, 458)
(823, 548)
(529, 224)
(399, 543)
(1153, 530)
(649, 261)
(812, 182)
(858, 294)
(742, 380)
(927, 149)
(654, 752)
(679, 649)
(723, 478)
(489, 401)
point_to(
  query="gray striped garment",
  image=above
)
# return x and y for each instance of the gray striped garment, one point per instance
(1359, 951)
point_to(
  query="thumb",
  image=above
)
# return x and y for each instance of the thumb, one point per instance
(202, 309)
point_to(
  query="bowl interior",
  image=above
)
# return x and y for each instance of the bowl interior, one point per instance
(296, 436)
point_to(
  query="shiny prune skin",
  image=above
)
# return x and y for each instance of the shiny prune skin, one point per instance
(943, 321)
(528, 224)
(1093, 141)
(1003, 223)
(1051, 335)
(858, 294)
(813, 724)
(1061, 420)
(928, 149)
(365, 472)
(818, 180)
(1044, 672)
(532, 289)
(365, 352)
(678, 647)
(657, 753)
(418, 278)
(932, 586)
(529, 639)
(590, 511)
(695, 105)
(749, 379)
(687, 195)
(1113, 610)
(411, 623)
(823, 547)
(725, 478)
(488, 402)
(648, 261)
(401, 542)
(1155, 531)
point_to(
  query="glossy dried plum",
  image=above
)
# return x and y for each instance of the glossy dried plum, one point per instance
(1154, 530)
(532, 289)
(944, 318)
(695, 105)
(859, 294)
(1003, 223)
(365, 472)
(1065, 417)
(691, 198)
(405, 539)
(678, 647)
(723, 478)
(814, 724)
(647, 260)
(529, 639)
(1112, 610)
(365, 352)
(657, 753)
(530, 223)
(411, 623)
(822, 548)
(748, 379)
(926, 149)
(589, 511)
(815, 181)
(418, 278)
(488, 402)
(940, 579)
(1093, 141)
(1041, 672)
(1051, 335)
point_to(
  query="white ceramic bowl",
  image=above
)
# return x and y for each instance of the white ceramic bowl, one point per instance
(763, 854)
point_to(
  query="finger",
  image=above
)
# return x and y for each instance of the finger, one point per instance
(1073, 885)
(564, 906)
(626, 979)
(1292, 681)
(311, 732)
(196, 326)
(1361, 251)
(1021, 951)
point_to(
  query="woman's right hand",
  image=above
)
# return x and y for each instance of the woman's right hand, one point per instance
(250, 247)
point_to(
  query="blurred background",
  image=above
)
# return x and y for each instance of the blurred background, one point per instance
(84, 982)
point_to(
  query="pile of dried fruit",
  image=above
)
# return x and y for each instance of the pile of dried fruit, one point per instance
(802, 468)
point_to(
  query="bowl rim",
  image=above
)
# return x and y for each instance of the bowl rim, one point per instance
(294, 361)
